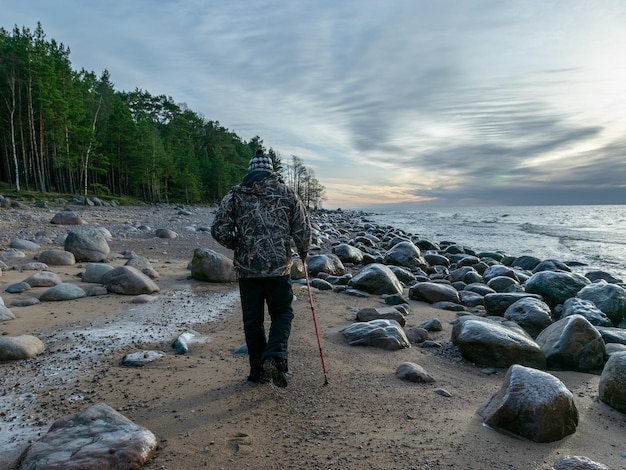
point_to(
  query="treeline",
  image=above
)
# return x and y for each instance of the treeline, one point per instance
(68, 131)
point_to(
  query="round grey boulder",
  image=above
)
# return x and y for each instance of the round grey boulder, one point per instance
(67, 218)
(530, 313)
(612, 387)
(19, 347)
(496, 344)
(94, 271)
(412, 372)
(211, 266)
(348, 253)
(57, 257)
(63, 291)
(376, 279)
(609, 298)
(21, 244)
(43, 279)
(325, 263)
(127, 280)
(572, 343)
(385, 334)
(554, 286)
(87, 244)
(406, 254)
(532, 404)
(432, 292)
(5, 313)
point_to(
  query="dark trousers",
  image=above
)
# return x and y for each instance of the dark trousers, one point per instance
(276, 292)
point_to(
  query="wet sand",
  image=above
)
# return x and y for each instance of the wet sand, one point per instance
(204, 413)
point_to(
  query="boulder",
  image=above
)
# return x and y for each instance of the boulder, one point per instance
(426, 245)
(67, 218)
(404, 275)
(417, 334)
(530, 313)
(612, 335)
(555, 287)
(21, 244)
(432, 292)
(586, 308)
(612, 387)
(61, 292)
(297, 269)
(98, 437)
(504, 284)
(471, 299)
(413, 373)
(140, 359)
(572, 343)
(57, 257)
(479, 288)
(551, 265)
(348, 253)
(466, 274)
(34, 266)
(609, 298)
(211, 266)
(13, 348)
(18, 287)
(499, 270)
(612, 348)
(497, 303)
(575, 462)
(406, 254)
(376, 279)
(435, 259)
(385, 334)
(321, 284)
(326, 263)
(24, 302)
(87, 244)
(5, 313)
(11, 254)
(594, 276)
(532, 404)
(94, 271)
(496, 344)
(43, 279)
(165, 233)
(375, 313)
(525, 262)
(127, 280)
(139, 262)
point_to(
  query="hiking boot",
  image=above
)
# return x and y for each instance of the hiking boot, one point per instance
(276, 369)
(259, 377)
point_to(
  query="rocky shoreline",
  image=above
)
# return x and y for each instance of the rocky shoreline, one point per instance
(507, 311)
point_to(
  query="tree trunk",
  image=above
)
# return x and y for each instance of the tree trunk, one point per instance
(91, 139)
(11, 82)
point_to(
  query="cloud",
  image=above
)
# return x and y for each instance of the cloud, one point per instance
(451, 102)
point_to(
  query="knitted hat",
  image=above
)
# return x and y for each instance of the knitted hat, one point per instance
(260, 161)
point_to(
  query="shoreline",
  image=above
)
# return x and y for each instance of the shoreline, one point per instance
(205, 414)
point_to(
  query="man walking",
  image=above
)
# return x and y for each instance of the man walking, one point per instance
(258, 219)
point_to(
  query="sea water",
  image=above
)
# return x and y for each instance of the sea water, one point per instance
(592, 235)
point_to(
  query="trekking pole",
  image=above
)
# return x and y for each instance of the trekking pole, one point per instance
(317, 333)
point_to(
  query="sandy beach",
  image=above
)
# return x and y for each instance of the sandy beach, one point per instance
(199, 405)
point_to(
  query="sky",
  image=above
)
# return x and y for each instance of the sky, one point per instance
(391, 103)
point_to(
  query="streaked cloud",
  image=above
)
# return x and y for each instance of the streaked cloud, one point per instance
(457, 102)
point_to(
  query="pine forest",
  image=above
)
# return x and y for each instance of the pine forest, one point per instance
(70, 132)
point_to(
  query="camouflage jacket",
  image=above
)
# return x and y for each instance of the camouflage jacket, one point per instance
(258, 219)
